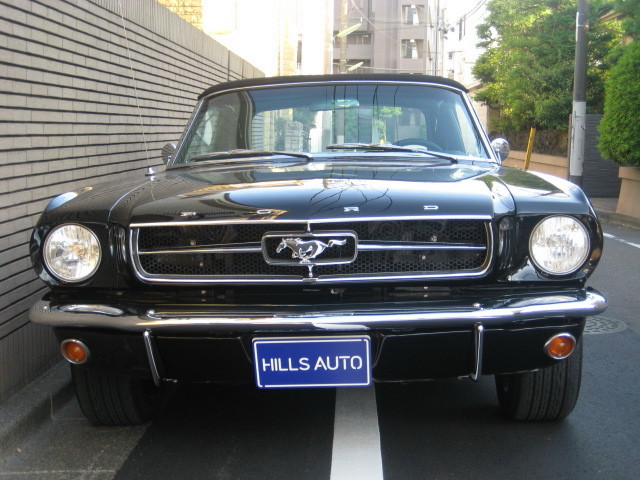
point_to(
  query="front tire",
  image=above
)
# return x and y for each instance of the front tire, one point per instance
(112, 400)
(546, 394)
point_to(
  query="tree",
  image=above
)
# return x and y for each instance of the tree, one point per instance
(527, 69)
(630, 12)
(620, 127)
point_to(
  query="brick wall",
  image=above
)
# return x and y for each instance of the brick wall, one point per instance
(68, 118)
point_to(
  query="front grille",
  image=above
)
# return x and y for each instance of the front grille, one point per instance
(394, 249)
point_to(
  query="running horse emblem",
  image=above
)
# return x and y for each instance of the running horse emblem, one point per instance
(306, 250)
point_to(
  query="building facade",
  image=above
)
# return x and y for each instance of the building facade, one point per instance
(392, 36)
(461, 49)
(280, 37)
(461, 43)
(189, 10)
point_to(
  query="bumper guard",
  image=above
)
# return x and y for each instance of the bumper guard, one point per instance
(491, 313)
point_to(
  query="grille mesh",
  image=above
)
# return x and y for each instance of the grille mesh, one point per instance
(158, 238)
(379, 262)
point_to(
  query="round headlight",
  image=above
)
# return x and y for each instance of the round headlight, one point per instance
(559, 245)
(72, 253)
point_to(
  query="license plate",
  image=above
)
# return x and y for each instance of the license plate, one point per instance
(304, 362)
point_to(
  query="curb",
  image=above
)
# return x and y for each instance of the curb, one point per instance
(32, 406)
(617, 219)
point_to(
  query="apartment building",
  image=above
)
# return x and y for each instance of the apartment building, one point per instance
(461, 49)
(391, 36)
(460, 46)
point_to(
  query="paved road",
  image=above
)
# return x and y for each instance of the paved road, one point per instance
(437, 430)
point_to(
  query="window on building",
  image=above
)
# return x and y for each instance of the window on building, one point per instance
(461, 28)
(412, 48)
(413, 14)
(359, 38)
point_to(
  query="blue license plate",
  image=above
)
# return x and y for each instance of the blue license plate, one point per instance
(312, 362)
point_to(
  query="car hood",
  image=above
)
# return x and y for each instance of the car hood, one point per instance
(311, 192)
(314, 191)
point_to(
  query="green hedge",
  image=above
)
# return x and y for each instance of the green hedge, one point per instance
(620, 126)
(546, 142)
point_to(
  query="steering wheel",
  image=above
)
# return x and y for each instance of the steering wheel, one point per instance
(421, 142)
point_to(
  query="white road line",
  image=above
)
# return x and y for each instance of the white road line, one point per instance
(356, 436)
(636, 245)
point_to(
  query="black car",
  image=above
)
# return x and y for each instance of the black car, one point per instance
(323, 231)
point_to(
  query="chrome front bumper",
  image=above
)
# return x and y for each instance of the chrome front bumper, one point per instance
(514, 311)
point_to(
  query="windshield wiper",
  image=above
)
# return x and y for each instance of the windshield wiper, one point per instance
(244, 153)
(382, 147)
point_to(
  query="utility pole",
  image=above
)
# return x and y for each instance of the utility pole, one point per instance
(343, 38)
(578, 122)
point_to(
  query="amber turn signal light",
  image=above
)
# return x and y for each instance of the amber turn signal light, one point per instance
(74, 351)
(560, 346)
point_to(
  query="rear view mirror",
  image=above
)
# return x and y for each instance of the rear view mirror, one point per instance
(501, 147)
(335, 104)
(167, 152)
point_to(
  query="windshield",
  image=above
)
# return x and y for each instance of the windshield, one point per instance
(311, 118)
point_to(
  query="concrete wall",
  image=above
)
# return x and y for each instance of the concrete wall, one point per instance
(558, 166)
(68, 118)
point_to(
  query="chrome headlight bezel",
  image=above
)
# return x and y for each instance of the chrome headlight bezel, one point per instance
(87, 245)
(573, 234)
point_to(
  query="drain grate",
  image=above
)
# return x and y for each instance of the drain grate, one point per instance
(600, 325)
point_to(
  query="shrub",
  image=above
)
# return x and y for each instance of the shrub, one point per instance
(620, 126)
(547, 142)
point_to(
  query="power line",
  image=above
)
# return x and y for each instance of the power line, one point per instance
(473, 10)
(399, 27)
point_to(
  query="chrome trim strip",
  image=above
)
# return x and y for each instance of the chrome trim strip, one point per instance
(417, 246)
(148, 344)
(247, 279)
(473, 113)
(190, 125)
(478, 340)
(306, 221)
(232, 318)
(365, 247)
(195, 250)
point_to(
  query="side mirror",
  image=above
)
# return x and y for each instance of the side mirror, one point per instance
(501, 147)
(167, 152)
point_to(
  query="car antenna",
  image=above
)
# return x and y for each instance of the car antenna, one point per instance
(150, 170)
